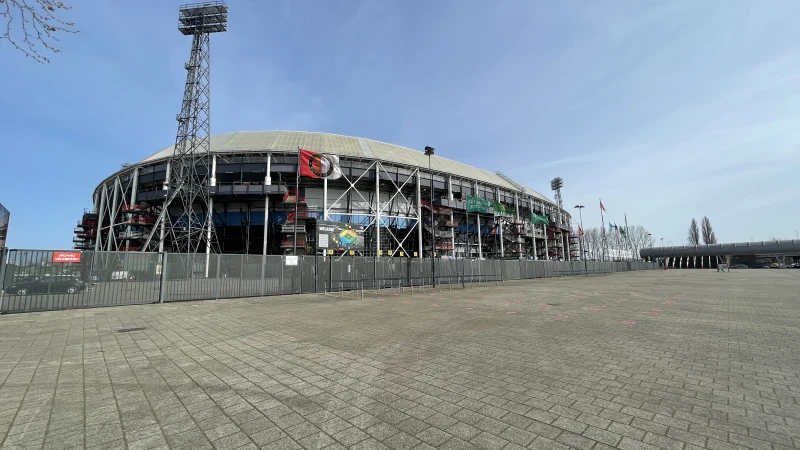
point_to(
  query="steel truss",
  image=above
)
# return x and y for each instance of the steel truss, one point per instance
(192, 231)
(383, 215)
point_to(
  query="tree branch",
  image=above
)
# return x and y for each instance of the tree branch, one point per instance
(37, 23)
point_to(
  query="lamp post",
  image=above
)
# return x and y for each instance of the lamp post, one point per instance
(580, 240)
(429, 152)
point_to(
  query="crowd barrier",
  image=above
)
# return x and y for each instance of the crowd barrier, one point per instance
(38, 280)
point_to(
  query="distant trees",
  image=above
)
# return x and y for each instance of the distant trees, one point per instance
(639, 238)
(708, 232)
(32, 26)
(693, 237)
(636, 238)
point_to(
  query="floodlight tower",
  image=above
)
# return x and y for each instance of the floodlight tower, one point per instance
(190, 171)
(556, 184)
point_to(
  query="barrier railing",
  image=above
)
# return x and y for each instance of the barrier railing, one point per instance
(36, 280)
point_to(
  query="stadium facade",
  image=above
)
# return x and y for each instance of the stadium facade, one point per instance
(384, 188)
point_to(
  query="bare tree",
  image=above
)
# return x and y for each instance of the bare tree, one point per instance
(640, 238)
(32, 26)
(694, 234)
(591, 242)
(708, 232)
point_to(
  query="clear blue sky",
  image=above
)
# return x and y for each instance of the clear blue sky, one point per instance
(666, 110)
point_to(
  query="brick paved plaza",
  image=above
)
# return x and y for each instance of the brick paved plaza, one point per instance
(670, 359)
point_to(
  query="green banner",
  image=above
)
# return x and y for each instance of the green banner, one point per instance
(477, 204)
(539, 220)
(500, 210)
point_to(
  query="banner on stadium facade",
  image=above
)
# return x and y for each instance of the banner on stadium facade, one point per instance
(339, 236)
(500, 210)
(477, 204)
(5, 217)
(539, 220)
(319, 165)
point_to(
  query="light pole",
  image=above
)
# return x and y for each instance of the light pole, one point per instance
(662, 243)
(580, 240)
(429, 152)
(650, 238)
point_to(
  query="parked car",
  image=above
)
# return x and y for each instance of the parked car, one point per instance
(739, 266)
(44, 285)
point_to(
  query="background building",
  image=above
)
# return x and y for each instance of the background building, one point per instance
(5, 218)
(386, 188)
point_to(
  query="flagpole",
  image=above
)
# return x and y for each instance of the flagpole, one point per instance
(628, 238)
(296, 199)
(603, 222)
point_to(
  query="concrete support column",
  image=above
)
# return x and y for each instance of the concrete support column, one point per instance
(210, 218)
(165, 188)
(134, 186)
(478, 217)
(267, 182)
(325, 199)
(419, 214)
(451, 230)
(499, 221)
(378, 209)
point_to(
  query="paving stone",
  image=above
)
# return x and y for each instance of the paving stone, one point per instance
(488, 441)
(715, 367)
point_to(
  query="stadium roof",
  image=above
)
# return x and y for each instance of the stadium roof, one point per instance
(289, 141)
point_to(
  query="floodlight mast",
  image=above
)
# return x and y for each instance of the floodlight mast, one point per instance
(556, 184)
(186, 221)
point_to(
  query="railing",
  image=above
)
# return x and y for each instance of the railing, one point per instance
(37, 280)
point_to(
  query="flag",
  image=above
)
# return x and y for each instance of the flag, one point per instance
(580, 231)
(319, 165)
(622, 231)
(602, 208)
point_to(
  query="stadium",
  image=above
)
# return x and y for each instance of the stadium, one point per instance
(383, 192)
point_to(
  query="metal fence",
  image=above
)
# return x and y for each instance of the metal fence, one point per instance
(34, 280)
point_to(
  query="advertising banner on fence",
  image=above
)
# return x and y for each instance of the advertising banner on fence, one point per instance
(339, 236)
(66, 257)
(5, 217)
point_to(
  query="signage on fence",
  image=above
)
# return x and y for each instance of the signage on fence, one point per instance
(291, 260)
(339, 236)
(477, 204)
(352, 252)
(66, 257)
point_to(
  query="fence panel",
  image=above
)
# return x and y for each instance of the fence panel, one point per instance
(33, 282)
(272, 283)
(511, 270)
(195, 276)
